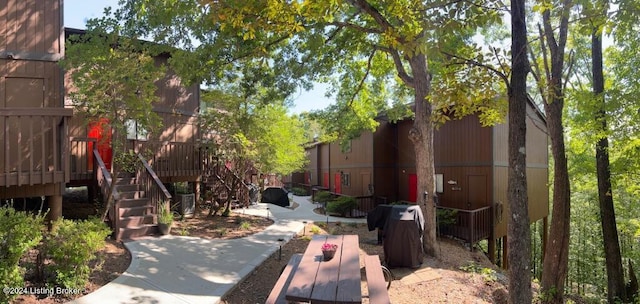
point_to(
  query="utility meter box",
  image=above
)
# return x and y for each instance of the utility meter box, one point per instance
(187, 204)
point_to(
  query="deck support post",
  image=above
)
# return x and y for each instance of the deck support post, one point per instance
(55, 207)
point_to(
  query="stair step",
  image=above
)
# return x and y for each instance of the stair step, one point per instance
(134, 211)
(137, 232)
(132, 194)
(137, 221)
(133, 202)
(125, 180)
(128, 187)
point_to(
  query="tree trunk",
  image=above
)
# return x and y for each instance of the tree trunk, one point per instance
(556, 260)
(422, 137)
(615, 273)
(519, 236)
(554, 269)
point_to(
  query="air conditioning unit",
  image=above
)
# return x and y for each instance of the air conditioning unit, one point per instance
(187, 204)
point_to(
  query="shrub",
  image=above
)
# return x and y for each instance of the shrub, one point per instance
(342, 205)
(245, 225)
(19, 232)
(322, 197)
(299, 191)
(446, 217)
(165, 215)
(71, 245)
(315, 230)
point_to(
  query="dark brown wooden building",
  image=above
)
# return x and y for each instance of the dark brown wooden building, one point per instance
(33, 120)
(471, 165)
(173, 154)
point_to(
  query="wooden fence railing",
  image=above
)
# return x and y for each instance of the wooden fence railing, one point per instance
(105, 184)
(33, 146)
(81, 160)
(155, 191)
(172, 158)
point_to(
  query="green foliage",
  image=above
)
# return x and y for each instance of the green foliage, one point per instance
(322, 197)
(182, 188)
(315, 230)
(127, 161)
(71, 245)
(342, 205)
(165, 215)
(19, 232)
(299, 191)
(322, 225)
(113, 83)
(446, 216)
(251, 128)
(184, 231)
(245, 226)
(488, 274)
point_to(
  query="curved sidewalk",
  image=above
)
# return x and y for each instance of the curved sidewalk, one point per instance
(176, 269)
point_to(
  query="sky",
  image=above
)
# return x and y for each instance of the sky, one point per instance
(76, 12)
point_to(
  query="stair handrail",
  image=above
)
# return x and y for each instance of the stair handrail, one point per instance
(105, 183)
(155, 189)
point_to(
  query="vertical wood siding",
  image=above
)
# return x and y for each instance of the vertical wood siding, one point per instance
(31, 26)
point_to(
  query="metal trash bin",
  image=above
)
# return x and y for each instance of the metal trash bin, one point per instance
(403, 233)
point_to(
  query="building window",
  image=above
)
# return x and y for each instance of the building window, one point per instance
(345, 179)
(439, 183)
(135, 131)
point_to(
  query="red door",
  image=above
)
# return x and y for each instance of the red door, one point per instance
(325, 180)
(338, 184)
(101, 131)
(413, 187)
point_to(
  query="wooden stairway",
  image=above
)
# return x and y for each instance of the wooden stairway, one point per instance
(135, 215)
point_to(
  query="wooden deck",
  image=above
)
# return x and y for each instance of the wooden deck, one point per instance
(34, 147)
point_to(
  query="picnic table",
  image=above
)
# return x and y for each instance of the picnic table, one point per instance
(333, 281)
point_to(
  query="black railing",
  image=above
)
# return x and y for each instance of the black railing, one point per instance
(471, 226)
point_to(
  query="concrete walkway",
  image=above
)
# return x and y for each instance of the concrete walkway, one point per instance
(176, 269)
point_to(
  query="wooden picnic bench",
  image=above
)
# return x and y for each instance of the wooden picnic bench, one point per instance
(277, 294)
(376, 283)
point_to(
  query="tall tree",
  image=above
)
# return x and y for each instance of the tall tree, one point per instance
(551, 84)
(615, 272)
(519, 237)
(367, 44)
(113, 78)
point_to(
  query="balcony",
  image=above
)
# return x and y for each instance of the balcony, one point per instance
(34, 146)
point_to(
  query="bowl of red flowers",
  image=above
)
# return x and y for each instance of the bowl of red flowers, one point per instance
(329, 250)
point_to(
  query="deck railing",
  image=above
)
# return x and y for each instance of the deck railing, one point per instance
(172, 158)
(81, 165)
(471, 226)
(33, 146)
(105, 184)
(151, 184)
